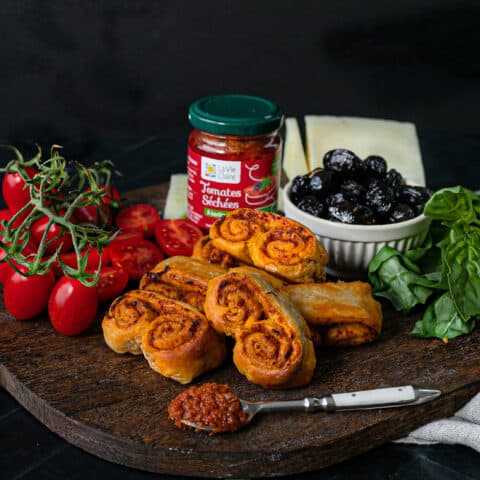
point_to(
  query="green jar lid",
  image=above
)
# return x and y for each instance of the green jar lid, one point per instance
(235, 115)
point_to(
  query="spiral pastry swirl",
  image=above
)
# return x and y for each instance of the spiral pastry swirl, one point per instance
(290, 251)
(182, 278)
(338, 313)
(272, 344)
(206, 251)
(232, 232)
(231, 301)
(126, 319)
(180, 344)
(271, 242)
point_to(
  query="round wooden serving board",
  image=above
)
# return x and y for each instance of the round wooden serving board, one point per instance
(115, 406)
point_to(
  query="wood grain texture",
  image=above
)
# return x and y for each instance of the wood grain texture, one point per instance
(115, 406)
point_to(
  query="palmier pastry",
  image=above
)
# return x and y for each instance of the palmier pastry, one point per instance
(182, 278)
(180, 343)
(339, 313)
(233, 299)
(206, 251)
(274, 243)
(272, 344)
(125, 321)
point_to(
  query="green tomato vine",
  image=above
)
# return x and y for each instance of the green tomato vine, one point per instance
(56, 190)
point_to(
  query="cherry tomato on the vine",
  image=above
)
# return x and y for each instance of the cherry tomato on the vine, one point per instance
(26, 297)
(5, 267)
(135, 259)
(112, 283)
(140, 218)
(177, 236)
(53, 236)
(70, 259)
(15, 191)
(72, 307)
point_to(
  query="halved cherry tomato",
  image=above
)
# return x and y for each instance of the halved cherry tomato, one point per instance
(135, 259)
(15, 191)
(112, 283)
(53, 236)
(70, 259)
(72, 307)
(26, 297)
(139, 218)
(177, 236)
(128, 237)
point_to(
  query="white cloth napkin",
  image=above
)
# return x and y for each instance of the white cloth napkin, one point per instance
(462, 428)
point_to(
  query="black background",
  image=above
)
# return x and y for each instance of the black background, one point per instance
(118, 68)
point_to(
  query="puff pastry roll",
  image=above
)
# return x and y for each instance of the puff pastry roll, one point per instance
(206, 251)
(180, 343)
(272, 344)
(339, 313)
(182, 278)
(126, 319)
(274, 243)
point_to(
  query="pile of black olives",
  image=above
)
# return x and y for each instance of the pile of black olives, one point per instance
(355, 191)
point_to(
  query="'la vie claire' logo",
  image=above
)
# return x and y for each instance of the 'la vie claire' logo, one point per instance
(221, 171)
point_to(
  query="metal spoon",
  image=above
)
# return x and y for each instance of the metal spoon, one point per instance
(338, 402)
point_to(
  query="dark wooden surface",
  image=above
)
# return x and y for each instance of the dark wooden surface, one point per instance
(114, 406)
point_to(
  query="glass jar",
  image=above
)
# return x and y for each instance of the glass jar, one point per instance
(234, 156)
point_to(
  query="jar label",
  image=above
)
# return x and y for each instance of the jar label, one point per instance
(215, 187)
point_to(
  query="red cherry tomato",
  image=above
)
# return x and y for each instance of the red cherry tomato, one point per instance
(135, 259)
(72, 307)
(139, 218)
(5, 267)
(177, 236)
(127, 237)
(15, 191)
(112, 283)
(70, 259)
(94, 214)
(26, 297)
(111, 195)
(53, 236)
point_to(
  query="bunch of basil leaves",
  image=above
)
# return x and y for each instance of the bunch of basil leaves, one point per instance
(443, 272)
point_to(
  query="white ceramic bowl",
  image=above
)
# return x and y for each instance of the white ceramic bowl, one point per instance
(352, 247)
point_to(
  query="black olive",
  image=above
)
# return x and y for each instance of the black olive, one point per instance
(400, 213)
(343, 212)
(393, 179)
(352, 190)
(299, 188)
(365, 215)
(342, 161)
(375, 165)
(371, 182)
(380, 199)
(322, 183)
(413, 195)
(311, 205)
(335, 198)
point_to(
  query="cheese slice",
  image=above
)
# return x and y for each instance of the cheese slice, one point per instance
(176, 203)
(294, 161)
(397, 142)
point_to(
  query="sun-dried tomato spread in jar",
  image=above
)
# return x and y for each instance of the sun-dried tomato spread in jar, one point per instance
(234, 155)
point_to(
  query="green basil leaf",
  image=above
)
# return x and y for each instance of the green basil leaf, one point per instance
(451, 205)
(393, 280)
(441, 320)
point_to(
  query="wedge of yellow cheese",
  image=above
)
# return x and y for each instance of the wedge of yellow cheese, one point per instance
(397, 142)
(176, 202)
(294, 161)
